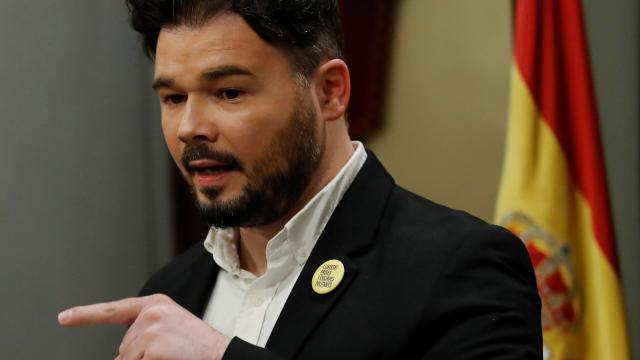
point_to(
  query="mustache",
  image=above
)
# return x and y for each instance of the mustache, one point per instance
(200, 150)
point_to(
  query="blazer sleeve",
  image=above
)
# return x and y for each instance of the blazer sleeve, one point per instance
(486, 304)
(241, 350)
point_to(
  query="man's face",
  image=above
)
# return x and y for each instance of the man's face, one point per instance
(244, 135)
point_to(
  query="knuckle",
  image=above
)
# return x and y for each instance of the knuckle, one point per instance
(109, 308)
(122, 349)
(160, 299)
(154, 350)
(152, 353)
(155, 313)
(152, 334)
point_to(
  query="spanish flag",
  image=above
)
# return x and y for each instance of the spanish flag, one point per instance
(553, 193)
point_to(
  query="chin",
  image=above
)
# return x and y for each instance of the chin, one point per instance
(215, 197)
(205, 198)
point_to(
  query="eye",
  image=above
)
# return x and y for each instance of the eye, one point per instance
(230, 95)
(174, 99)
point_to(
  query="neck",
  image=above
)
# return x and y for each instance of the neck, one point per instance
(252, 251)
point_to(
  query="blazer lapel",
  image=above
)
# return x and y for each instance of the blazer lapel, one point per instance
(194, 292)
(351, 228)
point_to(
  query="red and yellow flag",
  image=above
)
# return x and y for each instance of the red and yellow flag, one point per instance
(553, 193)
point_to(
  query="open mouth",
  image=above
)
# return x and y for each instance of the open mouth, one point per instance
(205, 167)
(211, 170)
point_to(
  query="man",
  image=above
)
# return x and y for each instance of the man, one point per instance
(314, 252)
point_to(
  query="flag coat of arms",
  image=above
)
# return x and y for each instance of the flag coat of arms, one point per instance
(553, 192)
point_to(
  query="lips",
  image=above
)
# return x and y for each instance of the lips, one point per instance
(209, 167)
(209, 173)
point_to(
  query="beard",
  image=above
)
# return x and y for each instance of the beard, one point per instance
(274, 183)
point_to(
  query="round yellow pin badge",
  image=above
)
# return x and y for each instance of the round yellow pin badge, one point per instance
(328, 276)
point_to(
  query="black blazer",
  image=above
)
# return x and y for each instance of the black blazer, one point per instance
(422, 282)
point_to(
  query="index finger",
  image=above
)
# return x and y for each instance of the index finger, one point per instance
(123, 312)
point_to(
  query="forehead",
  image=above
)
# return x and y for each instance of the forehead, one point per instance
(224, 40)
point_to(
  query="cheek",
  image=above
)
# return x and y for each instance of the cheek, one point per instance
(169, 130)
(248, 137)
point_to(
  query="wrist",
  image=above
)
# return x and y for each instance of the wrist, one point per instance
(222, 344)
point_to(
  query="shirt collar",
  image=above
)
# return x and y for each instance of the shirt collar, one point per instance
(300, 233)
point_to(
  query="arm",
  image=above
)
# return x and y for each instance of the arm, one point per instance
(241, 350)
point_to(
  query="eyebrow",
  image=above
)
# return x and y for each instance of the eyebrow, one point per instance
(161, 82)
(216, 74)
(225, 71)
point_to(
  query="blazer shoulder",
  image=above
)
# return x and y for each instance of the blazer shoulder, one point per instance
(429, 228)
(411, 211)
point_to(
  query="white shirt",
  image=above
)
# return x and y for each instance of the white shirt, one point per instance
(247, 306)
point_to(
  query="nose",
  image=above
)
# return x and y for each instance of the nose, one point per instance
(195, 123)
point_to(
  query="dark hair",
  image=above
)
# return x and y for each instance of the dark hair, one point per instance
(308, 31)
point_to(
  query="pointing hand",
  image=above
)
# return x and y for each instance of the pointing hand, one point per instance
(159, 329)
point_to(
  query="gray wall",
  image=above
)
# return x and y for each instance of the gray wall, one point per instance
(613, 37)
(83, 213)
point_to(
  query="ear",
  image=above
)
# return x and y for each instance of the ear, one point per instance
(333, 88)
